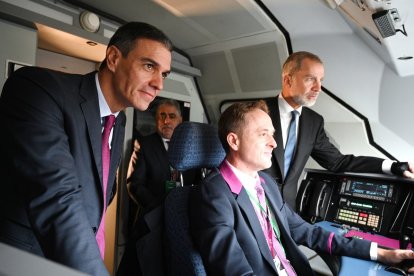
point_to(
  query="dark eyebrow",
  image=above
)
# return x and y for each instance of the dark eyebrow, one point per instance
(156, 64)
(146, 59)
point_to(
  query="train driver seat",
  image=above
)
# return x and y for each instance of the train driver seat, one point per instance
(192, 146)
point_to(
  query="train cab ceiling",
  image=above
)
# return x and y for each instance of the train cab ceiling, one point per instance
(385, 26)
(194, 26)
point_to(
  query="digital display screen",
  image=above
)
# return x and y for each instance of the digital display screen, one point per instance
(369, 189)
(361, 205)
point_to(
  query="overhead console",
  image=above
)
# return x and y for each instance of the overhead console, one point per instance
(363, 203)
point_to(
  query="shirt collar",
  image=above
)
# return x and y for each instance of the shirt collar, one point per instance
(236, 179)
(165, 142)
(285, 108)
(104, 109)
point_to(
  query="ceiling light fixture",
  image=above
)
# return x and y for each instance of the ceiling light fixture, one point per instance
(89, 21)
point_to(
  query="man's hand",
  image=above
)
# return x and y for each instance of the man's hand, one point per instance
(393, 257)
(410, 172)
(133, 160)
(405, 169)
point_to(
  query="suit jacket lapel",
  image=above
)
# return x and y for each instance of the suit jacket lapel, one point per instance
(279, 151)
(160, 150)
(90, 109)
(275, 205)
(304, 125)
(91, 113)
(246, 206)
(275, 200)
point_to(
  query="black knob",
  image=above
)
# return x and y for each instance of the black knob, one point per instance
(404, 241)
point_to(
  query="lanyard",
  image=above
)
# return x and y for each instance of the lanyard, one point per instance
(272, 220)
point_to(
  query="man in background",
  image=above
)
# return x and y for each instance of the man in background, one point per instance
(153, 176)
(62, 143)
(302, 76)
(151, 180)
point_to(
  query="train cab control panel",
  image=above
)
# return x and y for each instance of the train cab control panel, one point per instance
(367, 204)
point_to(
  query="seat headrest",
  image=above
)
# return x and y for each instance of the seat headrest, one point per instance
(195, 145)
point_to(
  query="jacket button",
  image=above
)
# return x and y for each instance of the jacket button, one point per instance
(94, 229)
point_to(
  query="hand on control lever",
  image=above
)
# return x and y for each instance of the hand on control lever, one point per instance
(408, 265)
(403, 169)
(403, 258)
(404, 241)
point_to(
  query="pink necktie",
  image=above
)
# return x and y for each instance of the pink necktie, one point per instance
(274, 245)
(106, 159)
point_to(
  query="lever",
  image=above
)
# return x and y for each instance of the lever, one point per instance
(396, 270)
(406, 236)
(404, 241)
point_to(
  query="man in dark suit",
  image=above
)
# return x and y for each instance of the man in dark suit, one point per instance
(153, 176)
(152, 171)
(51, 163)
(238, 220)
(151, 180)
(302, 75)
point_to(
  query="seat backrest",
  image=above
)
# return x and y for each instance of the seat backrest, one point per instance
(195, 146)
(182, 258)
(192, 146)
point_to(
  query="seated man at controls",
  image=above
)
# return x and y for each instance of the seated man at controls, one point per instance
(238, 220)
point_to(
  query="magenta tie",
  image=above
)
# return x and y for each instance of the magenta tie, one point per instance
(106, 159)
(274, 245)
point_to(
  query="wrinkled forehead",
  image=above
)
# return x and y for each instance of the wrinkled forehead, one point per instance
(311, 65)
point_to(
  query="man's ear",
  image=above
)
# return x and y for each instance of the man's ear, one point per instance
(287, 80)
(112, 57)
(233, 141)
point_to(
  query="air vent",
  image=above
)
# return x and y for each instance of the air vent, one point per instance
(384, 23)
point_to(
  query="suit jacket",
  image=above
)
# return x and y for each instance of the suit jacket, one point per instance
(225, 229)
(152, 170)
(312, 141)
(51, 202)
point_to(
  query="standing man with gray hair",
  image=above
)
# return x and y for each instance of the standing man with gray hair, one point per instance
(302, 76)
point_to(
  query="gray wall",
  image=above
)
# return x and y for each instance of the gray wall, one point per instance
(354, 73)
(396, 109)
(22, 49)
(54, 61)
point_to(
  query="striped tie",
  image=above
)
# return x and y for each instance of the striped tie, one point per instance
(273, 242)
